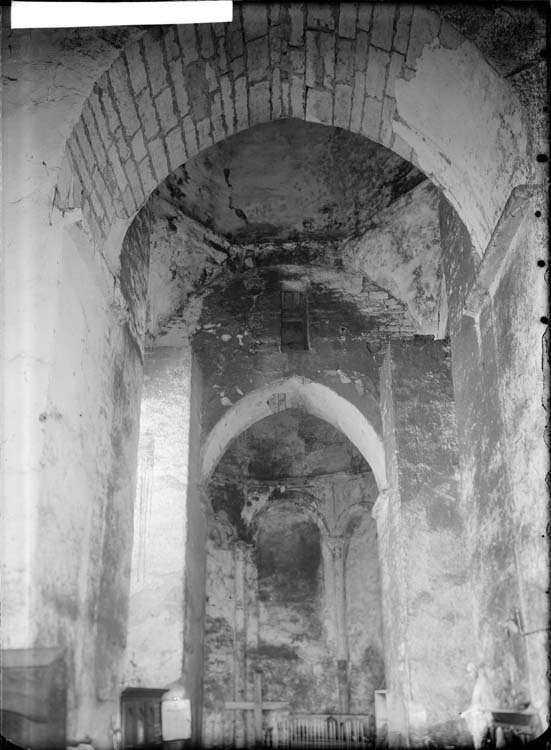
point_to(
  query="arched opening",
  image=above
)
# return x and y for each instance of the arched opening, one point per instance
(316, 399)
(291, 545)
(425, 102)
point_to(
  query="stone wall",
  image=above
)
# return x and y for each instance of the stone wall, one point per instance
(80, 530)
(503, 488)
(177, 91)
(155, 627)
(277, 599)
(422, 536)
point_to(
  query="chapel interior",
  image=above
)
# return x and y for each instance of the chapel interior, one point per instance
(277, 473)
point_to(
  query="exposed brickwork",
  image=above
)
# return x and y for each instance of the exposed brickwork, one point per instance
(180, 89)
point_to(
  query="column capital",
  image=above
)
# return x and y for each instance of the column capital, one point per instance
(336, 544)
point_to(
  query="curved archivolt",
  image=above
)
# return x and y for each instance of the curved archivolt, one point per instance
(397, 74)
(296, 393)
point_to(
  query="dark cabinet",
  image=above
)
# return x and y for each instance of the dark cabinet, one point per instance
(141, 717)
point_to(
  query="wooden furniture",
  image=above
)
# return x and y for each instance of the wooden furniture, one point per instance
(381, 719)
(34, 697)
(515, 727)
(141, 717)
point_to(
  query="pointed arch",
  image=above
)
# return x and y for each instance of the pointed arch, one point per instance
(397, 74)
(299, 393)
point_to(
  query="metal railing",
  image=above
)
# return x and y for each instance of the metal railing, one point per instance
(321, 731)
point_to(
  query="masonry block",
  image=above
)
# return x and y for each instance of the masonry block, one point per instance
(211, 77)
(296, 94)
(147, 176)
(148, 115)
(158, 158)
(387, 115)
(96, 203)
(395, 69)
(297, 60)
(241, 103)
(93, 224)
(176, 148)
(275, 14)
(197, 89)
(172, 47)
(358, 96)
(401, 31)
(206, 41)
(93, 135)
(155, 64)
(296, 19)
(99, 182)
(135, 183)
(327, 51)
(217, 119)
(276, 45)
(188, 43)
(84, 145)
(360, 52)
(343, 105)
(128, 200)
(314, 64)
(218, 29)
(100, 120)
(237, 67)
(190, 136)
(365, 12)
(115, 162)
(258, 59)
(255, 20)
(136, 67)
(180, 91)
(276, 93)
(320, 16)
(165, 109)
(319, 106)
(79, 164)
(125, 99)
(371, 120)
(221, 56)
(234, 43)
(382, 26)
(377, 63)
(348, 13)
(227, 102)
(285, 98)
(204, 133)
(122, 144)
(259, 102)
(345, 60)
(104, 94)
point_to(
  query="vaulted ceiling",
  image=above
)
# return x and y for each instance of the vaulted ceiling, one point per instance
(290, 180)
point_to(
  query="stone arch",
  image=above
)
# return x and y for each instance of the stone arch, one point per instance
(397, 74)
(349, 516)
(295, 504)
(298, 392)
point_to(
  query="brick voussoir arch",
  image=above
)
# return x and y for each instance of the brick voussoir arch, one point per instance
(178, 90)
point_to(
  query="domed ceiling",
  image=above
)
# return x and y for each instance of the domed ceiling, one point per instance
(289, 180)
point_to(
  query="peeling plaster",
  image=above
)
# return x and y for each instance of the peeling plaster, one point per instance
(461, 118)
